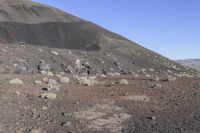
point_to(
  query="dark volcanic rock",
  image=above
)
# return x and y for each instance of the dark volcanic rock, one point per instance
(33, 23)
(52, 34)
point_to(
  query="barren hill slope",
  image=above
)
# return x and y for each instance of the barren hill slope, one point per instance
(62, 74)
(37, 26)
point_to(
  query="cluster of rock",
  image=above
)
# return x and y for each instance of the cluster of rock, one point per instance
(48, 61)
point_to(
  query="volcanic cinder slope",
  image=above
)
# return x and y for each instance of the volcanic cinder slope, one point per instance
(38, 26)
(60, 73)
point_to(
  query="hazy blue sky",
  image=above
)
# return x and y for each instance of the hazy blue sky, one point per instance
(169, 27)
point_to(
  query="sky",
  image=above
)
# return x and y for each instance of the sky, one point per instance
(169, 27)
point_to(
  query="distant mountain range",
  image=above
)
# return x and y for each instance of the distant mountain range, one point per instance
(193, 63)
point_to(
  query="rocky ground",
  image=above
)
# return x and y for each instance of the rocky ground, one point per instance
(60, 73)
(60, 103)
(116, 89)
(20, 58)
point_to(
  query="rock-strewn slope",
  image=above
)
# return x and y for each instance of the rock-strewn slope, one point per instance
(36, 37)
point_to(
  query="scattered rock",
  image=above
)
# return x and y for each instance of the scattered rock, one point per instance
(133, 73)
(78, 63)
(187, 75)
(107, 54)
(123, 82)
(18, 93)
(171, 78)
(43, 72)
(111, 69)
(37, 82)
(69, 52)
(49, 73)
(69, 69)
(175, 67)
(64, 80)
(16, 81)
(54, 52)
(151, 70)
(53, 87)
(86, 64)
(3, 50)
(117, 74)
(21, 42)
(156, 78)
(117, 63)
(49, 95)
(43, 67)
(148, 76)
(52, 81)
(151, 117)
(143, 70)
(35, 131)
(41, 50)
(44, 108)
(156, 86)
(58, 75)
(45, 79)
(102, 75)
(169, 71)
(110, 74)
(88, 81)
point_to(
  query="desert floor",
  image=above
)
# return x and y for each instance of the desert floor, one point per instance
(144, 105)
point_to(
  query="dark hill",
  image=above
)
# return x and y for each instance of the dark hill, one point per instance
(33, 23)
(27, 22)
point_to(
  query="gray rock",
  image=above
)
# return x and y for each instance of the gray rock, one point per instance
(53, 87)
(117, 63)
(123, 82)
(45, 79)
(69, 69)
(43, 72)
(3, 50)
(49, 95)
(37, 82)
(16, 81)
(156, 86)
(18, 69)
(78, 63)
(171, 78)
(110, 74)
(43, 67)
(52, 81)
(49, 73)
(35, 131)
(88, 81)
(54, 52)
(64, 80)
(58, 75)
(87, 65)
